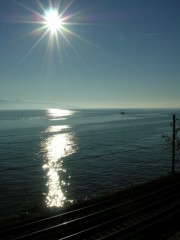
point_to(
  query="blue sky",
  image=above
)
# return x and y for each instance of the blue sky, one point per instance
(115, 53)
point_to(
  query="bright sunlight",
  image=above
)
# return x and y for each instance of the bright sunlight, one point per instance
(53, 21)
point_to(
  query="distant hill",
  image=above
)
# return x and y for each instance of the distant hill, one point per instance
(21, 104)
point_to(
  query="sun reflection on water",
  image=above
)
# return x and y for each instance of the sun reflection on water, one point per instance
(55, 112)
(57, 146)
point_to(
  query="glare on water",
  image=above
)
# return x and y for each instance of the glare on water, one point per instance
(55, 112)
(57, 146)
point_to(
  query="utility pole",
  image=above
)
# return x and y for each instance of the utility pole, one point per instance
(173, 143)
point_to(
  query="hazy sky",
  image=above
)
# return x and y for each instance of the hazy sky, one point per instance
(108, 53)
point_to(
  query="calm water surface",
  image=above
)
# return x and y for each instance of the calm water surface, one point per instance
(52, 157)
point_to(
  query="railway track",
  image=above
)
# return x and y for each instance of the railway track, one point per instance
(115, 217)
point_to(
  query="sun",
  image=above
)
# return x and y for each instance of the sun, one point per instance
(53, 21)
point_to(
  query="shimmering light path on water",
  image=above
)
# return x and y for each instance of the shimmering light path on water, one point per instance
(56, 147)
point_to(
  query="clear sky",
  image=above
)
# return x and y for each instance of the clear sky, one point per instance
(105, 53)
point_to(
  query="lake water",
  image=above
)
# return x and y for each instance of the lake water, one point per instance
(52, 157)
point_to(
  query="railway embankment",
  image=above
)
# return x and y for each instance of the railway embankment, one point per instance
(147, 211)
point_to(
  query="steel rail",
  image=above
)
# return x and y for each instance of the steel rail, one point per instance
(157, 194)
(125, 226)
(141, 222)
(124, 194)
(102, 204)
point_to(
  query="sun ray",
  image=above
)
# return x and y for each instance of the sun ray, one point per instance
(32, 48)
(81, 38)
(66, 8)
(71, 46)
(55, 21)
(40, 5)
(31, 10)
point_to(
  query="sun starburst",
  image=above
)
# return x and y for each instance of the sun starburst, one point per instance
(51, 21)
(54, 23)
